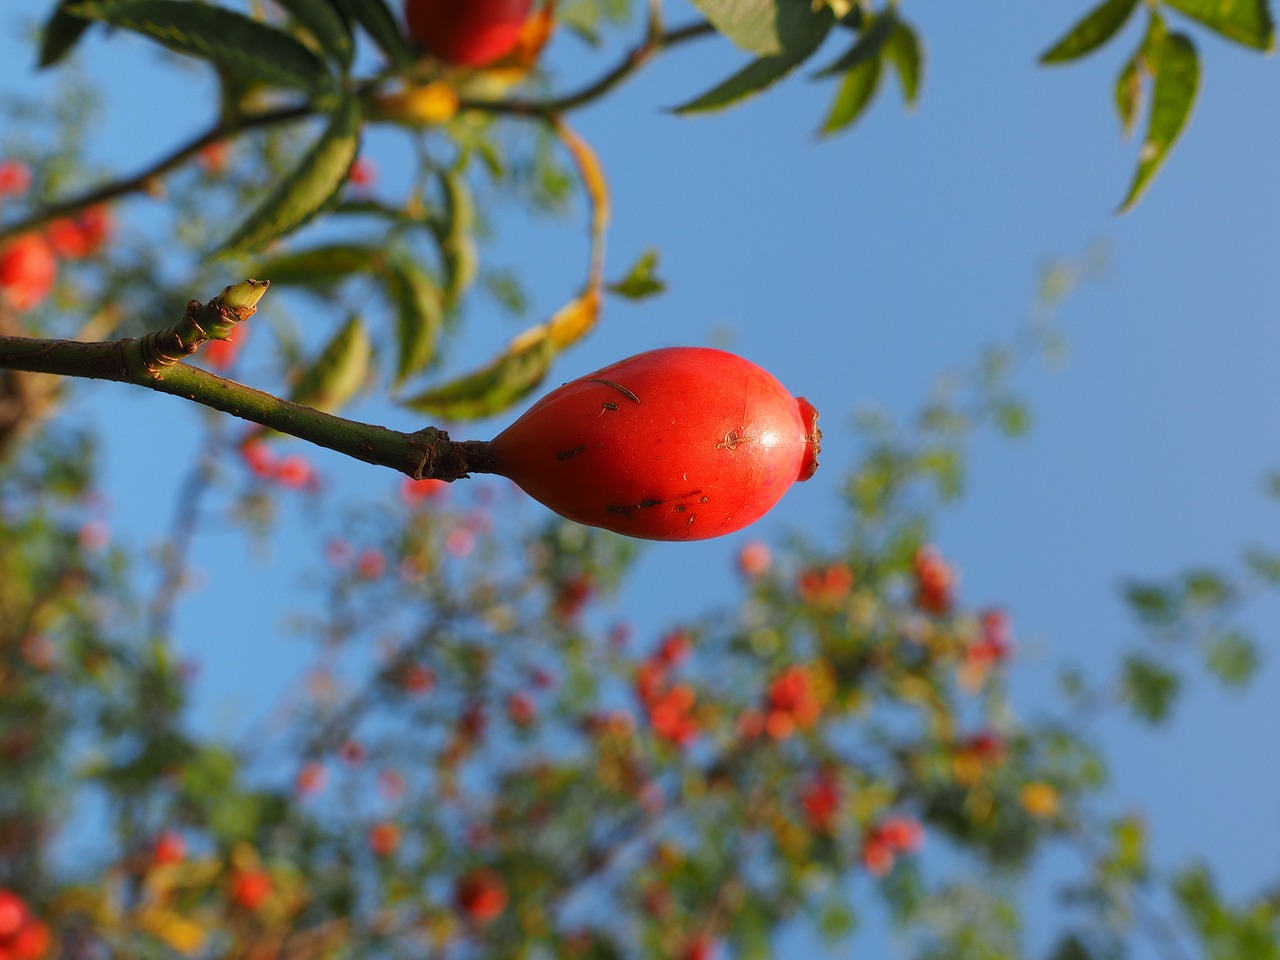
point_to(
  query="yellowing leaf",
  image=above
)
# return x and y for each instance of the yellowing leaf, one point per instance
(575, 319)
(185, 936)
(592, 174)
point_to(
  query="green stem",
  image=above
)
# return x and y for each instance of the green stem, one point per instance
(146, 180)
(154, 361)
(639, 55)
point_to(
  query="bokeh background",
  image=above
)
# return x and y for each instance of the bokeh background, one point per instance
(858, 269)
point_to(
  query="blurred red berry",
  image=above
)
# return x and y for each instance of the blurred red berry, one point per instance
(935, 581)
(384, 839)
(750, 723)
(15, 178)
(391, 785)
(792, 703)
(417, 678)
(460, 542)
(754, 559)
(417, 491)
(371, 564)
(672, 716)
(820, 801)
(363, 173)
(701, 947)
(674, 648)
(650, 680)
(877, 856)
(902, 833)
(259, 458)
(352, 752)
(481, 895)
(213, 157)
(13, 913)
(571, 596)
(169, 848)
(221, 354)
(294, 471)
(250, 889)
(75, 238)
(27, 271)
(312, 779)
(31, 942)
(825, 586)
(521, 710)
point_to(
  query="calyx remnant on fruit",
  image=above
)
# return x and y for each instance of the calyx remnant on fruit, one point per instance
(682, 443)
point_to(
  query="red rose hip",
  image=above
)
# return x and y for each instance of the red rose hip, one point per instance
(468, 33)
(683, 443)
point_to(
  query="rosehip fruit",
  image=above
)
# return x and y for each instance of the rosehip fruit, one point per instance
(469, 33)
(27, 271)
(682, 443)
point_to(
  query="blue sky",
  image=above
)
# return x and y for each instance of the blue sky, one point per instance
(857, 269)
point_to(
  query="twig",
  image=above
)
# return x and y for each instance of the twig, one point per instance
(153, 361)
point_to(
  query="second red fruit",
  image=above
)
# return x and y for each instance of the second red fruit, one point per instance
(468, 33)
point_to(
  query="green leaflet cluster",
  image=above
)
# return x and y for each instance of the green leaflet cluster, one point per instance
(783, 34)
(1166, 62)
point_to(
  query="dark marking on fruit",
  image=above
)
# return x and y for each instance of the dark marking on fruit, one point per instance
(568, 454)
(617, 386)
(681, 508)
(705, 500)
(629, 510)
(732, 439)
(608, 405)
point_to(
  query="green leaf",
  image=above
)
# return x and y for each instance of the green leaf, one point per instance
(766, 28)
(419, 315)
(1128, 854)
(855, 93)
(244, 47)
(1172, 58)
(640, 282)
(1263, 564)
(583, 18)
(1097, 27)
(453, 235)
(492, 389)
(1012, 417)
(379, 22)
(1153, 605)
(324, 23)
(1247, 22)
(1204, 589)
(1128, 91)
(761, 73)
(905, 51)
(308, 189)
(869, 45)
(339, 372)
(1232, 657)
(1149, 688)
(60, 34)
(319, 266)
